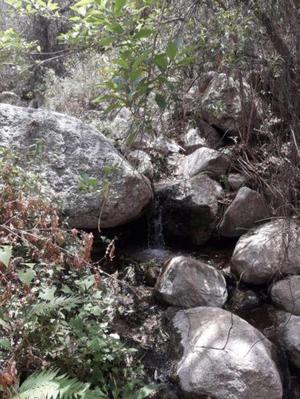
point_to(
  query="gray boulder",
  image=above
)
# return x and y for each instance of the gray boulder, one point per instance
(286, 294)
(202, 136)
(204, 160)
(87, 175)
(192, 140)
(291, 338)
(221, 103)
(247, 208)
(8, 97)
(267, 251)
(224, 357)
(187, 282)
(189, 208)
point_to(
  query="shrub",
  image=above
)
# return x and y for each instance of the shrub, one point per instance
(55, 308)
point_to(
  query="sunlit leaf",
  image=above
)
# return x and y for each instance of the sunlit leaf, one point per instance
(171, 50)
(5, 254)
(161, 61)
(26, 276)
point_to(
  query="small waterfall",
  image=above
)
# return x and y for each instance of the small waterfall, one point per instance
(155, 226)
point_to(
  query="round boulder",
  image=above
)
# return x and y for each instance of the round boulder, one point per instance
(267, 251)
(286, 294)
(187, 282)
(205, 160)
(87, 175)
(247, 208)
(189, 209)
(224, 357)
(291, 338)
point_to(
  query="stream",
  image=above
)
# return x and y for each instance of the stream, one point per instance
(141, 253)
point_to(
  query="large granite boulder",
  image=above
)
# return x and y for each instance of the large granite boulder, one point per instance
(286, 294)
(189, 209)
(222, 104)
(268, 251)
(89, 178)
(247, 208)
(224, 357)
(187, 282)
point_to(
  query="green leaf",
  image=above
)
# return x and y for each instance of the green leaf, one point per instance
(86, 283)
(144, 32)
(144, 392)
(5, 254)
(161, 61)
(26, 276)
(5, 343)
(116, 28)
(48, 294)
(171, 50)
(161, 101)
(3, 323)
(119, 4)
(135, 74)
(48, 384)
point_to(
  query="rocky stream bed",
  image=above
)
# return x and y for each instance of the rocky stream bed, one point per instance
(210, 274)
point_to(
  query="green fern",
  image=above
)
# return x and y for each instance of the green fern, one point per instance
(49, 385)
(47, 307)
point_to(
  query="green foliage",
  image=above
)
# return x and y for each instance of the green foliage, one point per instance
(14, 48)
(143, 63)
(48, 384)
(55, 310)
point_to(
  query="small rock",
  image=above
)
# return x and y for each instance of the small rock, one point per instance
(192, 140)
(247, 208)
(236, 181)
(204, 160)
(267, 251)
(286, 294)
(187, 282)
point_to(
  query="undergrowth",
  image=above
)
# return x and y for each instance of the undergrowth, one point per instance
(55, 307)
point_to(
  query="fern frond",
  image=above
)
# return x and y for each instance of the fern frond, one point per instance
(45, 308)
(49, 385)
